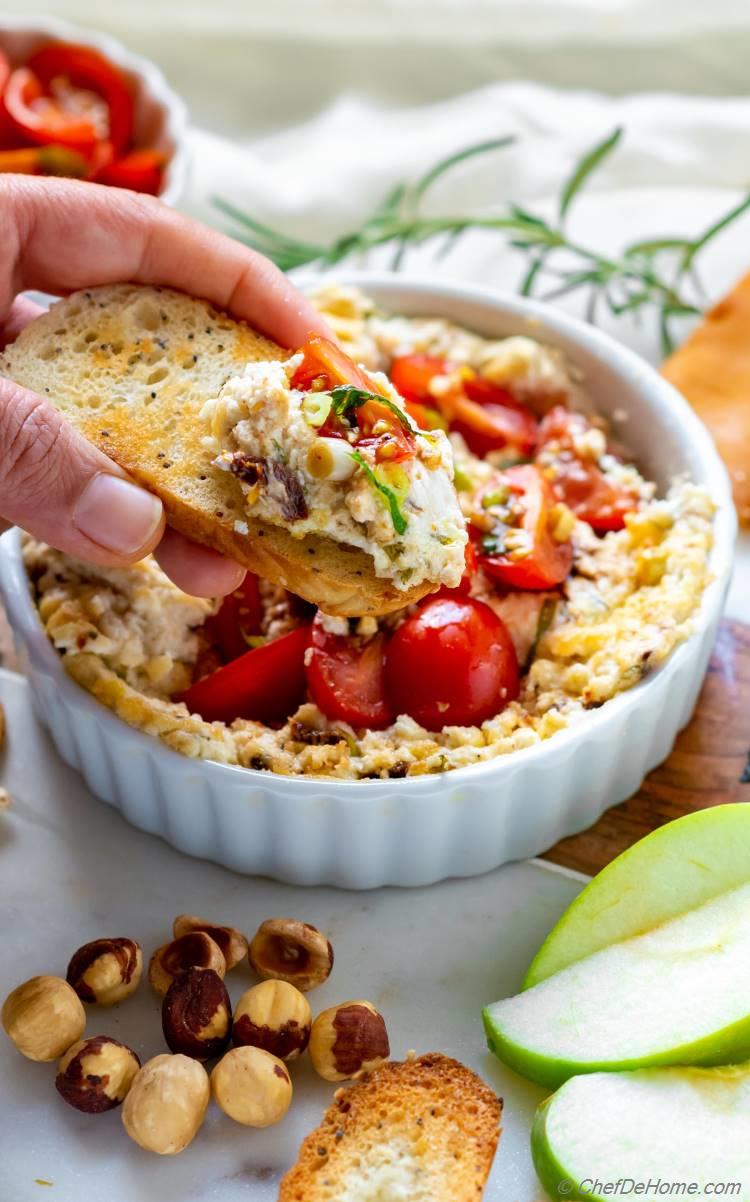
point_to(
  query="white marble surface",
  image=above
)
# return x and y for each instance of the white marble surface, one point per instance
(73, 870)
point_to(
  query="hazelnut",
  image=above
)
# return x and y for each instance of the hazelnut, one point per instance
(43, 1017)
(96, 1074)
(106, 970)
(232, 942)
(166, 1104)
(252, 1087)
(194, 950)
(291, 951)
(348, 1040)
(273, 1016)
(196, 1014)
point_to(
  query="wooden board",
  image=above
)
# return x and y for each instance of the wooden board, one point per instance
(710, 763)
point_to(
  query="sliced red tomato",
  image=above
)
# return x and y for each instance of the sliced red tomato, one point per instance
(579, 482)
(265, 685)
(549, 561)
(140, 171)
(411, 376)
(40, 119)
(238, 619)
(4, 70)
(451, 663)
(486, 416)
(85, 69)
(345, 676)
(491, 427)
(425, 416)
(325, 366)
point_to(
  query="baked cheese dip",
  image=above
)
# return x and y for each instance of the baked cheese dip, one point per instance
(565, 579)
(320, 456)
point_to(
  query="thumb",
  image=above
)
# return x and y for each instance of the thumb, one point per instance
(64, 491)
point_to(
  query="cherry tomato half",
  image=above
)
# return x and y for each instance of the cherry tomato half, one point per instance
(491, 427)
(411, 376)
(84, 68)
(549, 561)
(325, 366)
(345, 677)
(451, 663)
(266, 684)
(487, 416)
(238, 619)
(140, 171)
(579, 482)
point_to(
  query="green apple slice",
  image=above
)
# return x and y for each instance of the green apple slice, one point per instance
(679, 994)
(673, 870)
(656, 1132)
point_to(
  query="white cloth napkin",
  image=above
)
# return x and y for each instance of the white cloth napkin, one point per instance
(319, 178)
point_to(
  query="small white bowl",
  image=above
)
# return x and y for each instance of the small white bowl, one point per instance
(160, 114)
(363, 834)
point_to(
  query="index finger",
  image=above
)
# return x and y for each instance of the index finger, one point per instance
(61, 235)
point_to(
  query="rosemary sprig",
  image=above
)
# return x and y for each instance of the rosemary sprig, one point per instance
(657, 273)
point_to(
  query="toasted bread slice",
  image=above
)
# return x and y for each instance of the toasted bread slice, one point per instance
(131, 368)
(712, 370)
(423, 1129)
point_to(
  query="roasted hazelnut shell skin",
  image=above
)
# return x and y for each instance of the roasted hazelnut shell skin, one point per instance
(284, 949)
(195, 949)
(348, 1039)
(125, 951)
(190, 1004)
(232, 942)
(286, 1043)
(80, 1091)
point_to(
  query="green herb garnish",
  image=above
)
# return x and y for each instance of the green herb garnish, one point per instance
(655, 273)
(391, 500)
(347, 397)
(493, 544)
(546, 616)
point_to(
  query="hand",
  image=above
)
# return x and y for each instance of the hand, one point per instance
(57, 236)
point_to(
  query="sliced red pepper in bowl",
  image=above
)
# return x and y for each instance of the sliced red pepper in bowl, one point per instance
(65, 69)
(44, 160)
(140, 171)
(265, 685)
(41, 119)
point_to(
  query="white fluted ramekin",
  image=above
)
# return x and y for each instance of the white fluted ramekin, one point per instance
(160, 114)
(363, 834)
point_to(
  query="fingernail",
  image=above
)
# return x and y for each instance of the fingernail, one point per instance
(117, 515)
